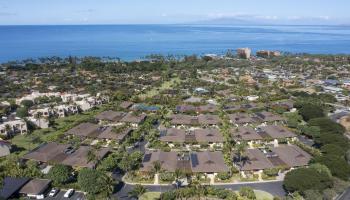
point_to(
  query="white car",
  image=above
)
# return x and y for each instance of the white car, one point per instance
(53, 192)
(69, 193)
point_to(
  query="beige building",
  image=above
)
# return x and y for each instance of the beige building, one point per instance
(244, 53)
(15, 126)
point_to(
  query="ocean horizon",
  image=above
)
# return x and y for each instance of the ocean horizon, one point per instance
(130, 42)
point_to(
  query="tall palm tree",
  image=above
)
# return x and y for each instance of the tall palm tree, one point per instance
(109, 187)
(240, 149)
(91, 156)
(157, 168)
(38, 116)
(196, 184)
(8, 130)
(138, 191)
(178, 174)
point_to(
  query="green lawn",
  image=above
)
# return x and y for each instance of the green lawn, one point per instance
(150, 196)
(164, 86)
(262, 195)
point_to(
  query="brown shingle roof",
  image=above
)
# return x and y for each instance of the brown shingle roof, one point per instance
(173, 135)
(208, 162)
(35, 186)
(50, 152)
(268, 117)
(132, 118)
(110, 115)
(168, 161)
(209, 119)
(283, 155)
(241, 118)
(207, 108)
(208, 135)
(186, 108)
(53, 152)
(126, 104)
(80, 157)
(292, 155)
(245, 133)
(256, 160)
(109, 133)
(179, 119)
(85, 130)
(276, 132)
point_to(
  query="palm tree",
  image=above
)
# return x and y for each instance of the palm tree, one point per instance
(8, 130)
(37, 116)
(178, 174)
(138, 191)
(91, 156)
(157, 168)
(240, 149)
(196, 183)
(109, 187)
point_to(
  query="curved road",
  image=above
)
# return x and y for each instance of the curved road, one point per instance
(275, 188)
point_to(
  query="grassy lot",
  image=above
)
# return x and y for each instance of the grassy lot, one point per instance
(150, 196)
(164, 86)
(262, 195)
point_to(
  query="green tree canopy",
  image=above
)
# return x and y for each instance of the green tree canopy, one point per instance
(60, 174)
(95, 182)
(27, 103)
(303, 179)
(309, 111)
(22, 112)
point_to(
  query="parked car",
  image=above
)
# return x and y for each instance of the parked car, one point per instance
(53, 192)
(69, 193)
(40, 196)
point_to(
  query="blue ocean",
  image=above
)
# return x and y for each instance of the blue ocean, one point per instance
(130, 42)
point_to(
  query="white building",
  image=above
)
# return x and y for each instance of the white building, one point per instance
(36, 94)
(14, 126)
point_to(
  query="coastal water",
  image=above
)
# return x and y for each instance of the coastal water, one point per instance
(136, 41)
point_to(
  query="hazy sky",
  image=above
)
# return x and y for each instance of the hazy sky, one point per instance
(169, 11)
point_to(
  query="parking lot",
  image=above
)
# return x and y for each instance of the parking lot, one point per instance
(75, 196)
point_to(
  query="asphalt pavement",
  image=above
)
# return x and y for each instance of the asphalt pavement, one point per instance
(75, 196)
(275, 188)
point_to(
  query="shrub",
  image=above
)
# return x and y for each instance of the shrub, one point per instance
(271, 171)
(167, 176)
(224, 175)
(247, 192)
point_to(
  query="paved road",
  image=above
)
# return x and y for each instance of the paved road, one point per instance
(345, 195)
(275, 188)
(75, 196)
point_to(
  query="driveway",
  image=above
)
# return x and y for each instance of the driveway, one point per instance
(275, 188)
(75, 196)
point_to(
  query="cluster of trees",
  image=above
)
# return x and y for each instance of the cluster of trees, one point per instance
(13, 167)
(96, 183)
(331, 169)
(121, 160)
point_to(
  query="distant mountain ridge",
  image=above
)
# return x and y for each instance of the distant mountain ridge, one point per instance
(255, 21)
